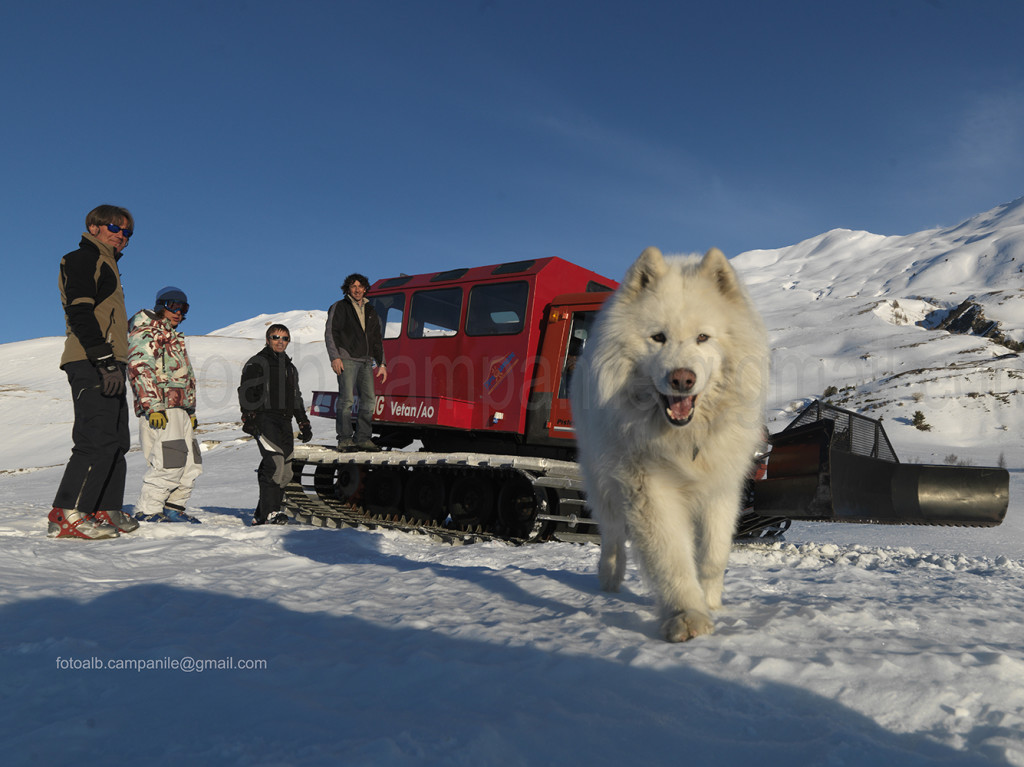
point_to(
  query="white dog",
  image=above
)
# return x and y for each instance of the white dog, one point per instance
(668, 402)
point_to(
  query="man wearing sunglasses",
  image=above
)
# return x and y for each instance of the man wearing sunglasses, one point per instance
(91, 493)
(164, 387)
(269, 397)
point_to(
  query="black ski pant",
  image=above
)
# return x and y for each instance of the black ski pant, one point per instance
(276, 442)
(94, 476)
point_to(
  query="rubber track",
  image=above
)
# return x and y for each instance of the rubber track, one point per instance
(305, 504)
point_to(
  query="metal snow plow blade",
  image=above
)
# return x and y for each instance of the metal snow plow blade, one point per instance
(833, 465)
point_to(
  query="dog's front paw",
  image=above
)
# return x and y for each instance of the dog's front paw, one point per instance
(686, 625)
(611, 571)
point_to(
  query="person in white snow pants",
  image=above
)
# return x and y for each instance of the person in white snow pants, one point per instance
(175, 464)
(164, 386)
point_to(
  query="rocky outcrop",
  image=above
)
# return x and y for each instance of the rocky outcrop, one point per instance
(969, 319)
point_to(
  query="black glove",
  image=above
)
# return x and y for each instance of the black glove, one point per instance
(111, 376)
(249, 424)
(305, 431)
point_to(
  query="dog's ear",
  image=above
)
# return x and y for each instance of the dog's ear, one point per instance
(645, 270)
(716, 266)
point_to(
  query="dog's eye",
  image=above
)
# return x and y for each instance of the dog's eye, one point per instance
(659, 338)
(703, 337)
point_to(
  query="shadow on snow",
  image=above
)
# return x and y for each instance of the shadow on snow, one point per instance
(338, 689)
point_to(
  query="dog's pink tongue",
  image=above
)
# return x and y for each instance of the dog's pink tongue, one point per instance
(679, 408)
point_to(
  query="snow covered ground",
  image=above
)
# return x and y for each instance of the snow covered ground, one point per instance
(843, 645)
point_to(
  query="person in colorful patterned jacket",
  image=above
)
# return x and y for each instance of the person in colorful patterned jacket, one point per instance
(164, 386)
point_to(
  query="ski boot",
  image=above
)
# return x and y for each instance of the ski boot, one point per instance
(273, 518)
(175, 513)
(171, 512)
(71, 523)
(124, 523)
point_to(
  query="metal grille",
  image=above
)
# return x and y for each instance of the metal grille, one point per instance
(853, 433)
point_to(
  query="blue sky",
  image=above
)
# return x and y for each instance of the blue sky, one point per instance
(269, 149)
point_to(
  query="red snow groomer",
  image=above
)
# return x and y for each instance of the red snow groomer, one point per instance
(478, 435)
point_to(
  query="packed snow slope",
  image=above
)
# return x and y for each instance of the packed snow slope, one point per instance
(842, 645)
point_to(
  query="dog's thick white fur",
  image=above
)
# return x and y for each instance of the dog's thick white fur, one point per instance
(668, 402)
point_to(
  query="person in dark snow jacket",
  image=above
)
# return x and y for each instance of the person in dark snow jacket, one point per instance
(89, 499)
(269, 397)
(354, 341)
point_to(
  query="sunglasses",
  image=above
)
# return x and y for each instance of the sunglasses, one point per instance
(175, 306)
(280, 338)
(115, 229)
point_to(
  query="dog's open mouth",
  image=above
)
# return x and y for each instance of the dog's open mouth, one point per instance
(679, 410)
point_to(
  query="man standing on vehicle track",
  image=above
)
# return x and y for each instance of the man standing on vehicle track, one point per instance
(354, 340)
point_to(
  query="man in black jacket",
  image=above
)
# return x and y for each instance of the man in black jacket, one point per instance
(91, 493)
(269, 397)
(354, 341)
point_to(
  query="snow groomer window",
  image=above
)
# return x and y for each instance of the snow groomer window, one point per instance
(582, 323)
(390, 309)
(435, 313)
(497, 310)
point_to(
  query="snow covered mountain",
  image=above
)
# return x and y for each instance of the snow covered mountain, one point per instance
(982, 256)
(305, 327)
(847, 644)
(863, 315)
